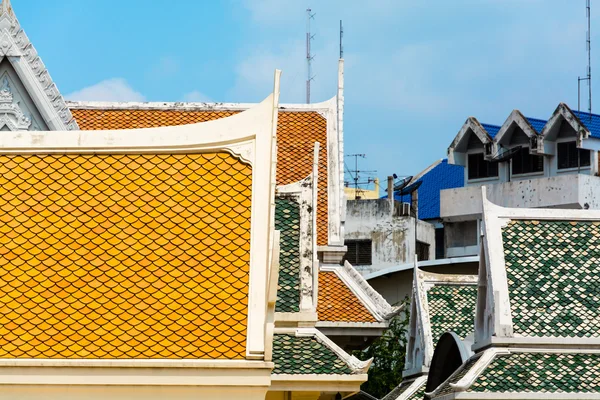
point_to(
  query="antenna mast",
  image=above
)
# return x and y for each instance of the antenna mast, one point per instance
(309, 56)
(341, 40)
(588, 78)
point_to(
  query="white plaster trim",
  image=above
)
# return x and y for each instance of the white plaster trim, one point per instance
(542, 344)
(522, 123)
(471, 124)
(317, 383)
(370, 298)
(189, 106)
(357, 366)
(480, 365)
(359, 325)
(563, 112)
(272, 296)
(338, 182)
(500, 323)
(414, 386)
(17, 48)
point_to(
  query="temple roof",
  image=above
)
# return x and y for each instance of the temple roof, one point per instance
(124, 256)
(297, 132)
(337, 303)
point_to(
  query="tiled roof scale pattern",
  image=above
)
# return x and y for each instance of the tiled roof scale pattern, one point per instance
(591, 121)
(553, 271)
(287, 221)
(451, 309)
(541, 372)
(398, 390)
(124, 256)
(305, 355)
(337, 303)
(420, 393)
(492, 130)
(457, 376)
(297, 132)
(537, 124)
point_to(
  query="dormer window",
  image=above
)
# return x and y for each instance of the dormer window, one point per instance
(525, 163)
(478, 168)
(569, 156)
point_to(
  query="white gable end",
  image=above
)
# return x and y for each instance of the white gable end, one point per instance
(28, 92)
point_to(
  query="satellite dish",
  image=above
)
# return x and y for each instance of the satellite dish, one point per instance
(410, 188)
(403, 182)
(507, 155)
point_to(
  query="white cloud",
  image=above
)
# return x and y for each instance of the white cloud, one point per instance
(196, 97)
(114, 89)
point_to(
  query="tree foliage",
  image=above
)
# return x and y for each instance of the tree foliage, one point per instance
(388, 353)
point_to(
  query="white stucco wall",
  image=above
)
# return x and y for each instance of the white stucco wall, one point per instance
(393, 237)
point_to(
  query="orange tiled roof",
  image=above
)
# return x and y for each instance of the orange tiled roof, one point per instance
(337, 303)
(297, 131)
(124, 256)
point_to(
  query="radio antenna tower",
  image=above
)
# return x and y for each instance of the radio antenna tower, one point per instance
(309, 55)
(588, 78)
(341, 40)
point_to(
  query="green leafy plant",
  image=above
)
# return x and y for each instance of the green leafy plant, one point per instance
(388, 353)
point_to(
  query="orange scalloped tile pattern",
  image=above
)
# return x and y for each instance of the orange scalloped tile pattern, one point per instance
(297, 132)
(124, 256)
(337, 303)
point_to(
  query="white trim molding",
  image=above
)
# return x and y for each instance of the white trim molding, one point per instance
(371, 299)
(456, 152)
(16, 47)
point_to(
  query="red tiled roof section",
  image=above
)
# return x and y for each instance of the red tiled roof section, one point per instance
(297, 132)
(337, 303)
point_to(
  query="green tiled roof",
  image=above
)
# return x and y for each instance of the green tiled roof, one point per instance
(287, 220)
(398, 390)
(553, 271)
(541, 372)
(451, 308)
(447, 389)
(305, 355)
(420, 393)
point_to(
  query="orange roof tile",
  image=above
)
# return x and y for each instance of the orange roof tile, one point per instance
(124, 256)
(297, 131)
(337, 303)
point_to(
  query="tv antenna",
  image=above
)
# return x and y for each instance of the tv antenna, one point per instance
(355, 174)
(588, 78)
(341, 40)
(309, 56)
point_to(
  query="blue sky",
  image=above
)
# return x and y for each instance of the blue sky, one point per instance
(415, 70)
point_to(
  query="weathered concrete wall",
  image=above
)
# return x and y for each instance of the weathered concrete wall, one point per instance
(576, 191)
(392, 236)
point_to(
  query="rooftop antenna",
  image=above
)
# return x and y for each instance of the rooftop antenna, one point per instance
(355, 174)
(309, 57)
(588, 78)
(341, 40)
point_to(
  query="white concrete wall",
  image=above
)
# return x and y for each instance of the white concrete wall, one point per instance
(393, 237)
(576, 191)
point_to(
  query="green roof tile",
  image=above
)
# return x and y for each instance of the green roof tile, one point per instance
(287, 221)
(305, 355)
(447, 389)
(451, 308)
(541, 372)
(420, 393)
(553, 271)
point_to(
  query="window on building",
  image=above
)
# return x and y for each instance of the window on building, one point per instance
(422, 251)
(525, 163)
(480, 168)
(569, 156)
(439, 243)
(359, 252)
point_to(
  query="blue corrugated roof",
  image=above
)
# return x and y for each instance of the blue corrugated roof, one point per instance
(593, 123)
(492, 130)
(538, 124)
(442, 176)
